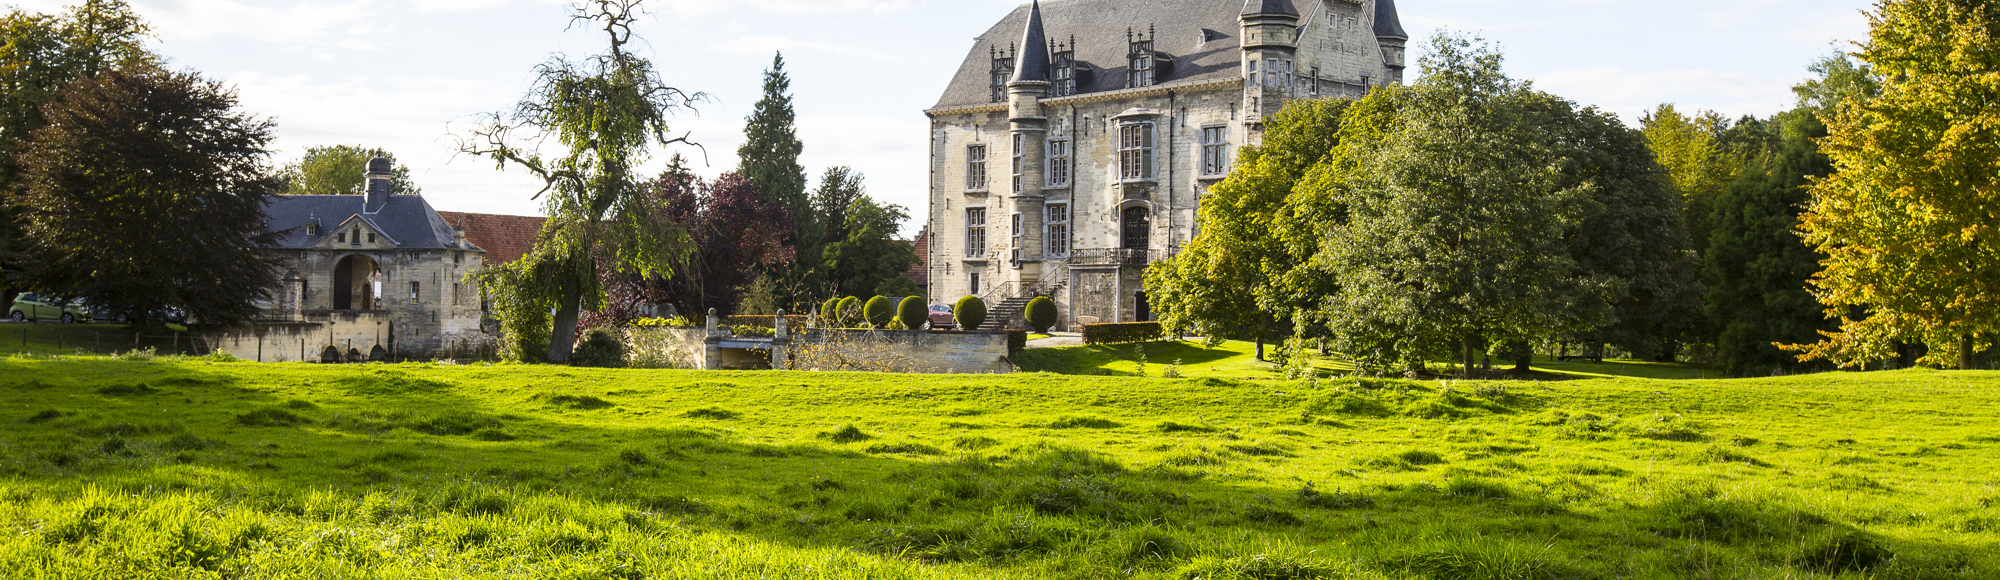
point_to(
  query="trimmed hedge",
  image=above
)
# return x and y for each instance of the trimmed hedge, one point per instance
(762, 321)
(879, 311)
(1123, 332)
(913, 312)
(850, 312)
(970, 313)
(1017, 341)
(1041, 314)
(829, 313)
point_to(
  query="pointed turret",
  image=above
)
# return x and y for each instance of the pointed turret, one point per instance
(1033, 63)
(1387, 23)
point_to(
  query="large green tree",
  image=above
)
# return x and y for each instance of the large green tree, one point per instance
(339, 169)
(1910, 219)
(1701, 168)
(40, 56)
(870, 260)
(146, 191)
(839, 189)
(605, 114)
(1757, 266)
(769, 156)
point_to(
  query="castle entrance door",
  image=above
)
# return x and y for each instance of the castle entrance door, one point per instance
(1138, 228)
(355, 283)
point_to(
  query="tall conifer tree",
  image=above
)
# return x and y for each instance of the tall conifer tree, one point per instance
(770, 158)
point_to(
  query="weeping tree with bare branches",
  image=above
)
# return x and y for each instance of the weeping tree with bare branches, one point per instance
(605, 114)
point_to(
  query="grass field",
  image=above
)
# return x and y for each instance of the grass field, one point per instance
(1237, 360)
(198, 469)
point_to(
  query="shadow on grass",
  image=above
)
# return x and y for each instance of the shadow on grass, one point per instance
(423, 437)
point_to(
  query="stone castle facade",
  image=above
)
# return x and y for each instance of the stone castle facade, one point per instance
(1075, 144)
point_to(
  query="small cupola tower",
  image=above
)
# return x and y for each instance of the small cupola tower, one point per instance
(1389, 32)
(1270, 42)
(379, 174)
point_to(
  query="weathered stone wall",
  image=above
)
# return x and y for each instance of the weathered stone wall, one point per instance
(443, 316)
(351, 335)
(911, 351)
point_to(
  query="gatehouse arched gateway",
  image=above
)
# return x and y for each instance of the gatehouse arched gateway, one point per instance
(375, 276)
(1088, 131)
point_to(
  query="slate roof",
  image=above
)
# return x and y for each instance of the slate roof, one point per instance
(406, 219)
(505, 237)
(1388, 24)
(1099, 28)
(1269, 7)
(1033, 63)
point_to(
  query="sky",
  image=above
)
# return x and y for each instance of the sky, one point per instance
(409, 75)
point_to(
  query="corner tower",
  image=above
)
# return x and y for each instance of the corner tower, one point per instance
(1027, 134)
(1270, 42)
(1389, 32)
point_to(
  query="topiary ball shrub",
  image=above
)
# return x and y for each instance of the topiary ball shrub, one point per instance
(913, 312)
(850, 312)
(971, 312)
(829, 313)
(880, 311)
(601, 348)
(1041, 314)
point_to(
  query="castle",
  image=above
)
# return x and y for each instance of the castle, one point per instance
(1074, 145)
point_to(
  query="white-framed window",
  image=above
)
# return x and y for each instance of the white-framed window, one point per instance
(1020, 146)
(1142, 69)
(1057, 226)
(1215, 150)
(1058, 160)
(975, 232)
(975, 167)
(1135, 151)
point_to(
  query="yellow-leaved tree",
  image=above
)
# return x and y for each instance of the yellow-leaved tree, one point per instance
(1908, 221)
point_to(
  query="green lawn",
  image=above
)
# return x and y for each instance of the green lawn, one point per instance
(66, 339)
(197, 469)
(1237, 360)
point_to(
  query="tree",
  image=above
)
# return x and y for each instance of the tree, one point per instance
(606, 113)
(146, 191)
(1757, 266)
(870, 261)
(970, 313)
(338, 170)
(839, 189)
(1700, 168)
(1041, 314)
(769, 156)
(1907, 222)
(879, 311)
(40, 56)
(735, 232)
(1259, 228)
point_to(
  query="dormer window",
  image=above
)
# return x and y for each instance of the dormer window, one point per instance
(1063, 76)
(1003, 69)
(1145, 67)
(312, 229)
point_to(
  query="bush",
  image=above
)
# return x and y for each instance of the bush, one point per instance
(913, 312)
(764, 321)
(1041, 314)
(1017, 341)
(970, 313)
(850, 312)
(600, 348)
(880, 311)
(1123, 332)
(829, 313)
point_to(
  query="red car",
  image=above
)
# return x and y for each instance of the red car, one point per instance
(942, 318)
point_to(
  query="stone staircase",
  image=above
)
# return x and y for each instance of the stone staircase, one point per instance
(1009, 313)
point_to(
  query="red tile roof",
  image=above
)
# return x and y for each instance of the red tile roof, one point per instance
(504, 237)
(921, 271)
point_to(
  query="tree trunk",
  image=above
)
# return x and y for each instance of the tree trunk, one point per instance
(562, 340)
(1965, 352)
(1524, 358)
(1260, 346)
(1468, 341)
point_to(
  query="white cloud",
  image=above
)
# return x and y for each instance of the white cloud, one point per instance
(299, 23)
(1631, 93)
(705, 7)
(764, 45)
(452, 6)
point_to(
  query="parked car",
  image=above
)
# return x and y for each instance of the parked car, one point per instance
(32, 306)
(942, 317)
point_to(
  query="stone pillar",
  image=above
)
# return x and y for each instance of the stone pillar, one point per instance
(712, 343)
(292, 300)
(781, 344)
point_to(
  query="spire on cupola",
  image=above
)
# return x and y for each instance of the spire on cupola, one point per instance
(1033, 63)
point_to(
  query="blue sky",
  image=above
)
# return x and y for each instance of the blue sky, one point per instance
(406, 74)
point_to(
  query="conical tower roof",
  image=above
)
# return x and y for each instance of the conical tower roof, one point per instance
(1387, 23)
(1033, 62)
(1283, 7)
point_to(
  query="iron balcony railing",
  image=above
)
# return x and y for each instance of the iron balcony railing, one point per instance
(1117, 256)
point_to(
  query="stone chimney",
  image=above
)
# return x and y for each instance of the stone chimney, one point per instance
(379, 174)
